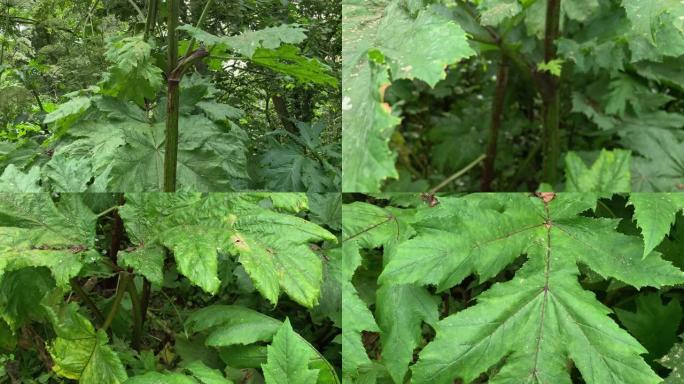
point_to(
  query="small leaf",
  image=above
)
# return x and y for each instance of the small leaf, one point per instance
(654, 214)
(609, 173)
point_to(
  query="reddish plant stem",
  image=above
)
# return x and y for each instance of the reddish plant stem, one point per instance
(551, 95)
(497, 116)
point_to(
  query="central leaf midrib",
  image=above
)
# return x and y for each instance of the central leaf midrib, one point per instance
(547, 272)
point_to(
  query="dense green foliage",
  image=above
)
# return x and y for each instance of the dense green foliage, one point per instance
(432, 86)
(513, 288)
(84, 95)
(173, 288)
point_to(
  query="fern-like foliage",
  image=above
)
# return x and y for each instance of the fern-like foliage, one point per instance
(533, 327)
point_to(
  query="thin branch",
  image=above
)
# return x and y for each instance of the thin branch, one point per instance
(457, 174)
(205, 11)
(141, 15)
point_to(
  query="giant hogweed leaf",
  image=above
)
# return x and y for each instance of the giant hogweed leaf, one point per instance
(400, 310)
(66, 223)
(536, 322)
(119, 145)
(272, 48)
(197, 373)
(229, 326)
(68, 174)
(17, 288)
(655, 213)
(288, 359)
(662, 168)
(382, 38)
(609, 173)
(146, 260)
(291, 167)
(658, 28)
(70, 109)
(654, 324)
(132, 76)
(356, 317)
(209, 158)
(80, 352)
(287, 60)
(35, 232)
(16, 181)
(493, 12)
(273, 247)
(248, 42)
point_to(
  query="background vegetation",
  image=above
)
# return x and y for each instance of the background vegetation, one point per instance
(55, 51)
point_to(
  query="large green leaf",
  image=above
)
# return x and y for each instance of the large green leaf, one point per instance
(35, 232)
(367, 226)
(67, 174)
(383, 38)
(132, 75)
(209, 158)
(288, 359)
(123, 149)
(658, 28)
(197, 373)
(653, 323)
(273, 247)
(14, 180)
(232, 327)
(247, 43)
(80, 352)
(287, 60)
(533, 324)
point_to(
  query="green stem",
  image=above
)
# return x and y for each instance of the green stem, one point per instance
(124, 279)
(145, 298)
(495, 125)
(457, 174)
(551, 96)
(152, 9)
(87, 300)
(141, 15)
(137, 316)
(173, 97)
(203, 16)
(108, 211)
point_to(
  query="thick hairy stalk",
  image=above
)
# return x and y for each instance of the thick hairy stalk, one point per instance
(171, 150)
